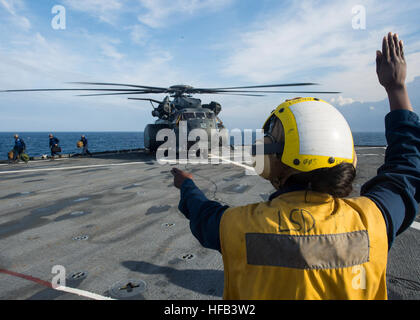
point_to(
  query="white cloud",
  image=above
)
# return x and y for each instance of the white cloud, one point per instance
(105, 10)
(160, 13)
(314, 41)
(138, 34)
(413, 63)
(155, 13)
(13, 6)
(37, 62)
(111, 52)
(341, 101)
(294, 44)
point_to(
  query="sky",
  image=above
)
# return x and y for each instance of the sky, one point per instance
(202, 43)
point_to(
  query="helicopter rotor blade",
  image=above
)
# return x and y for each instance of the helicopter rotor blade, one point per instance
(175, 90)
(306, 92)
(52, 90)
(237, 94)
(195, 89)
(266, 86)
(145, 99)
(114, 94)
(259, 91)
(120, 85)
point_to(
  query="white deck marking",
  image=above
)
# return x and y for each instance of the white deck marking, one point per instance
(233, 162)
(416, 225)
(251, 169)
(47, 284)
(32, 161)
(82, 293)
(116, 165)
(73, 167)
(48, 160)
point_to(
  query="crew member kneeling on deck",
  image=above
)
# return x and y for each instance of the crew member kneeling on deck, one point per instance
(310, 241)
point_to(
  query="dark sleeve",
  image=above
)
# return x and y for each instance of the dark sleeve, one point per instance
(395, 189)
(204, 215)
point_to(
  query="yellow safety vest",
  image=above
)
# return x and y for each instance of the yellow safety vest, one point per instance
(305, 245)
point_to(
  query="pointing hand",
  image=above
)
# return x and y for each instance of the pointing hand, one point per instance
(180, 176)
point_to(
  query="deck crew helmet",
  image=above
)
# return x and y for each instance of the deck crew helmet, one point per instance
(311, 134)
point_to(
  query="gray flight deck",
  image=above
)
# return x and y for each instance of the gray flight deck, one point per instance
(112, 221)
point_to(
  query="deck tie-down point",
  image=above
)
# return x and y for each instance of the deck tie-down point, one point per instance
(129, 287)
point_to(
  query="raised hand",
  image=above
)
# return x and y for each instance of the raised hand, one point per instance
(391, 66)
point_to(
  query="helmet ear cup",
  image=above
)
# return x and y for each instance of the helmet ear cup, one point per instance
(355, 160)
(272, 162)
(267, 172)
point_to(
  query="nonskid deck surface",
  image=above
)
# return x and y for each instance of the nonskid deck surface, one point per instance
(112, 222)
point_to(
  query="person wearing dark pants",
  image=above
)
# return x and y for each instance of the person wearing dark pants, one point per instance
(54, 146)
(19, 148)
(85, 146)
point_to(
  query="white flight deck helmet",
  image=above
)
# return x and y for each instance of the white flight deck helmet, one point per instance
(316, 135)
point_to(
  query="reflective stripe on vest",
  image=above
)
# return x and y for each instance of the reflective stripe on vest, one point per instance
(305, 245)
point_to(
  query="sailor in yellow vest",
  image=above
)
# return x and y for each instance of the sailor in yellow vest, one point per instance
(310, 241)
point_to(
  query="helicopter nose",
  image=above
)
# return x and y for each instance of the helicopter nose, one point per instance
(200, 124)
(203, 125)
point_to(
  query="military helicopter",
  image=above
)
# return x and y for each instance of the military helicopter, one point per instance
(182, 107)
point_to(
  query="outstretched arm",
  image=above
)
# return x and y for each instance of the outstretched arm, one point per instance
(396, 188)
(204, 215)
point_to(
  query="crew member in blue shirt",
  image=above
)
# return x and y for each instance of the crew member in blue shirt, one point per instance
(85, 146)
(19, 147)
(54, 145)
(394, 191)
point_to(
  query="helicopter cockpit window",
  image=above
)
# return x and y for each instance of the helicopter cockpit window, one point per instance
(200, 115)
(210, 115)
(189, 115)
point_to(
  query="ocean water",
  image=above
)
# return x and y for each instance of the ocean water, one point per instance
(37, 143)
(369, 139)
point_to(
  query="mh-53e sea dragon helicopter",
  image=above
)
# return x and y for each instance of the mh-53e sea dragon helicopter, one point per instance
(182, 107)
